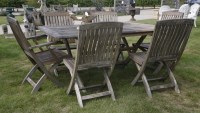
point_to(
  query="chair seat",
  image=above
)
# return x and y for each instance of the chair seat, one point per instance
(138, 57)
(48, 58)
(69, 62)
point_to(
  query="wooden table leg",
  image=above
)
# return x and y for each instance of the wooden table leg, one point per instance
(138, 43)
(67, 47)
(130, 49)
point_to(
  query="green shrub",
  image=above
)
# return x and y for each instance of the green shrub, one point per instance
(147, 2)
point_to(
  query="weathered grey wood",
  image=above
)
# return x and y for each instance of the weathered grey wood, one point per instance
(167, 45)
(58, 19)
(92, 86)
(165, 16)
(39, 59)
(30, 73)
(171, 15)
(55, 19)
(172, 78)
(104, 16)
(39, 83)
(129, 29)
(31, 81)
(98, 47)
(146, 85)
(109, 84)
(78, 95)
(106, 93)
(154, 79)
(164, 86)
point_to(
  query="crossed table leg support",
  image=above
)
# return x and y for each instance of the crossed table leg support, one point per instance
(127, 48)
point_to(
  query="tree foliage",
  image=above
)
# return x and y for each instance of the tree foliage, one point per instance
(11, 3)
(3, 3)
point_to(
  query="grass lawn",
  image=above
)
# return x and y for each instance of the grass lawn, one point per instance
(3, 19)
(15, 97)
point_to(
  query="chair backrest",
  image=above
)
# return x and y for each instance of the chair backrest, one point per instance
(194, 9)
(19, 35)
(21, 39)
(104, 16)
(169, 39)
(98, 44)
(184, 9)
(55, 19)
(171, 15)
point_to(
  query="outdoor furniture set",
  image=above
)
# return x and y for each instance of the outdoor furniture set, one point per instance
(98, 45)
(189, 12)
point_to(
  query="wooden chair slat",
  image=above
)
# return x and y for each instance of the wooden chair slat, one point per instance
(104, 16)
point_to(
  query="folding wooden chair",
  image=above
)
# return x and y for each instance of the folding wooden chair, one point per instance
(38, 55)
(98, 47)
(167, 15)
(167, 45)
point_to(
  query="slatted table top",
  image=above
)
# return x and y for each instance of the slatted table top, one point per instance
(129, 29)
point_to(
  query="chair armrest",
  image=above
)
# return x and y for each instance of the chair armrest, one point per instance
(37, 37)
(42, 45)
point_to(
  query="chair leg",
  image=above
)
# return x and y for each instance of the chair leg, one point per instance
(78, 94)
(144, 80)
(53, 68)
(109, 85)
(158, 68)
(138, 75)
(146, 85)
(71, 84)
(120, 56)
(38, 84)
(30, 73)
(172, 78)
(80, 83)
(55, 72)
(50, 76)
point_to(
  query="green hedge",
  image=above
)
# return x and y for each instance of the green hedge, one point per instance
(147, 2)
